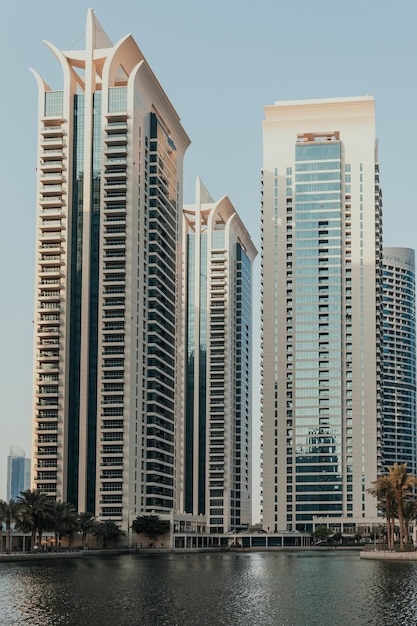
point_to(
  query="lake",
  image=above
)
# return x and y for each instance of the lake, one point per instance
(293, 588)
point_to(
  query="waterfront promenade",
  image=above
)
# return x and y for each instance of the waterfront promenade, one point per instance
(388, 555)
(78, 554)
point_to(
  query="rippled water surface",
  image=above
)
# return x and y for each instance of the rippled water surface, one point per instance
(280, 589)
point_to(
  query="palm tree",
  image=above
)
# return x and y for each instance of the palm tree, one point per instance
(86, 524)
(410, 512)
(10, 511)
(383, 490)
(402, 483)
(36, 513)
(64, 519)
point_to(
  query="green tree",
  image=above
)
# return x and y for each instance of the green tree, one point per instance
(37, 512)
(321, 533)
(10, 512)
(151, 526)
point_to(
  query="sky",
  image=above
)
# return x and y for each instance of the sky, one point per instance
(220, 63)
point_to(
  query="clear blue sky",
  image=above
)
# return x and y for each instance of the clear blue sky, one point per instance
(220, 62)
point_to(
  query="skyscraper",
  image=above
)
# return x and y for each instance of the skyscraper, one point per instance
(399, 437)
(109, 207)
(18, 472)
(321, 311)
(217, 268)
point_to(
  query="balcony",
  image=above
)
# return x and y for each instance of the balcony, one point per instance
(113, 463)
(48, 403)
(115, 196)
(47, 258)
(52, 154)
(51, 177)
(115, 172)
(47, 442)
(51, 427)
(51, 165)
(56, 141)
(54, 130)
(51, 212)
(112, 401)
(116, 149)
(116, 162)
(51, 489)
(115, 125)
(50, 464)
(51, 237)
(47, 477)
(48, 200)
(48, 367)
(50, 307)
(115, 137)
(43, 452)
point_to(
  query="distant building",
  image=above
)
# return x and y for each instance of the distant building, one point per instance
(321, 311)
(18, 472)
(108, 232)
(217, 432)
(399, 437)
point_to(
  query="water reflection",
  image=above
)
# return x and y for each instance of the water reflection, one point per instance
(279, 589)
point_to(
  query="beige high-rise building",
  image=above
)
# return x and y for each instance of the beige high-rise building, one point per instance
(321, 311)
(109, 216)
(216, 453)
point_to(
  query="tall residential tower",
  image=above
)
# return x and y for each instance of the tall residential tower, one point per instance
(399, 436)
(217, 269)
(109, 211)
(321, 312)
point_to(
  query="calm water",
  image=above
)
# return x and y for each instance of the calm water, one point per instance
(284, 589)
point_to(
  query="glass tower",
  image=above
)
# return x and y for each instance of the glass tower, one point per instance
(219, 254)
(399, 443)
(18, 472)
(109, 203)
(321, 269)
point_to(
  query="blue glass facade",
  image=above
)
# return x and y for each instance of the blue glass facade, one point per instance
(314, 416)
(196, 321)
(399, 436)
(76, 298)
(18, 476)
(54, 103)
(77, 217)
